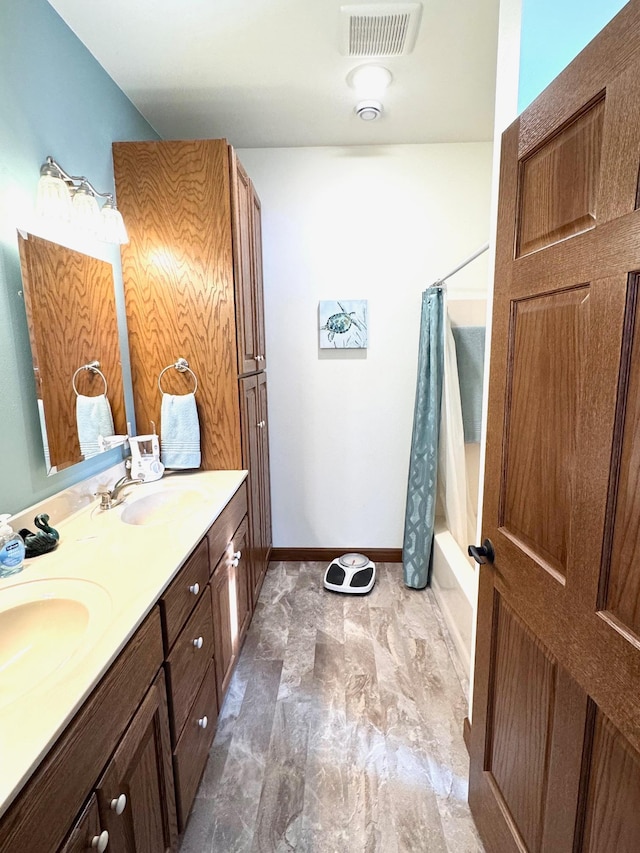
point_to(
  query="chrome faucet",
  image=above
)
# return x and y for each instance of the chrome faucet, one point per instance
(109, 499)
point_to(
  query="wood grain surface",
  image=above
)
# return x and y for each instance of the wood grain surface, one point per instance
(71, 313)
(179, 288)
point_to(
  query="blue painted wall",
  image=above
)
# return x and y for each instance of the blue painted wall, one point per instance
(553, 33)
(54, 99)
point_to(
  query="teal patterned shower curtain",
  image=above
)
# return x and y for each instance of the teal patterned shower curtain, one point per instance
(423, 464)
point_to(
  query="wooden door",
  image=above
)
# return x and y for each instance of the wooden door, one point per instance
(136, 793)
(555, 742)
(244, 271)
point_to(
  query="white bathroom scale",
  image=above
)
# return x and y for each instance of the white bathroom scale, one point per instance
(351, 573)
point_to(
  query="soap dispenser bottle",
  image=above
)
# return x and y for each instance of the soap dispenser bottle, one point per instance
(12, 549)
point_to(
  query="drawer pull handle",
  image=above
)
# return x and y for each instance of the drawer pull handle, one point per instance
(100, 842)
(119, 804)
(194, 588)
(198, 642)
(203, 722)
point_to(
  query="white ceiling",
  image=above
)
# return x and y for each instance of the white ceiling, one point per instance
(269, 73)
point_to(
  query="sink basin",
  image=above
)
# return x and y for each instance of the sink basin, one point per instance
(161, 507)
(44, 626)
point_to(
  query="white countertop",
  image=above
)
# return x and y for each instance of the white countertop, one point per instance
(132, 565)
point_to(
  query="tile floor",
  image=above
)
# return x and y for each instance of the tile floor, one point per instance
(342, 727)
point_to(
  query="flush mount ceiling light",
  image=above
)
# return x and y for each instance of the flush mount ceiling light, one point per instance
(368, 110)
(370, 83)
(71, 198)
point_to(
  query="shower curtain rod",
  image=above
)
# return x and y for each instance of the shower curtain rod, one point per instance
(472, 257)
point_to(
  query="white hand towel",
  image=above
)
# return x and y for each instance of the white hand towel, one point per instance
(93, 418)
(179, 431)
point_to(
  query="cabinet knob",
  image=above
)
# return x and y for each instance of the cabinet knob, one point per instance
(261, 424)
(198, 642)
(100, 842)
(203, 722)
(237, 555)
(119, 804)
(194, 588)
(259, 358)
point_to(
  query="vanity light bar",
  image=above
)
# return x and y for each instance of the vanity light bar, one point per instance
(73, 198)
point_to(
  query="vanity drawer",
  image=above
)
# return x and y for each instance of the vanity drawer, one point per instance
(222, 530)
(192, 750)
(184, 593)
(188, 662)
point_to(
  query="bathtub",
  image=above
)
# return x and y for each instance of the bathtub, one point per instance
(454, 582)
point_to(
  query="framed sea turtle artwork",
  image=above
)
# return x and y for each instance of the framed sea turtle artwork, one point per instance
(343, 324)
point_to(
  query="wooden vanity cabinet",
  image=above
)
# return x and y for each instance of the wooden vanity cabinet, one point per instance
(136, 781)
(56, 809)
(201, 615)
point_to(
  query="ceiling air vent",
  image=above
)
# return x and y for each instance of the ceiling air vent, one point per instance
(379, 29)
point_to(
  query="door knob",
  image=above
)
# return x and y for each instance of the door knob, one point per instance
(484, 553)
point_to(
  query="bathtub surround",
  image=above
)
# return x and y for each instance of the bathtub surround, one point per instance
(341, 729)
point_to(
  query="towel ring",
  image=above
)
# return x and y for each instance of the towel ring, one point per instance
(182, 366)
(93, 367)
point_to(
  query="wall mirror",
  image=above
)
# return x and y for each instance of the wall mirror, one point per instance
(73, 329)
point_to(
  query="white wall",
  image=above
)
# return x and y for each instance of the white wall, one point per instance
(356, 223)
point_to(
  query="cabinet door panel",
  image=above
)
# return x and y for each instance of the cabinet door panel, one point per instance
(192, 750)
(256, 224)
(250, 418)
(243, 582)
(225, 623)
(141, 771)
(242, 211)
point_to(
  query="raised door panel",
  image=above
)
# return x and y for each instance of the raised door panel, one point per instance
(256, 223)
(612, 810)
(175, 197)
(546, 373)
(265, 476)
(251, 454)
(621, 564)
(244, 271)
(522, 704)
(136, 793)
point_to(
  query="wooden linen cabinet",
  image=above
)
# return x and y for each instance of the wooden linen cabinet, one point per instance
(193, 288)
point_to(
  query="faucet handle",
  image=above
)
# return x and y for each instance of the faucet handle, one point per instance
(105, 498)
